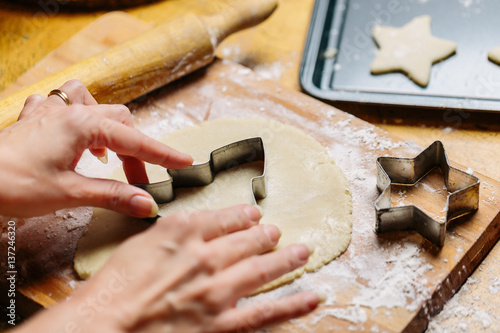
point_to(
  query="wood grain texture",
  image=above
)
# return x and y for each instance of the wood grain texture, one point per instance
(475, 239)
(114, 28)
(225, 89)
(29, 34)
(150, 60)
(93, 4)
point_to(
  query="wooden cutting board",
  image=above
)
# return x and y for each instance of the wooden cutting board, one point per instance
(391, 282)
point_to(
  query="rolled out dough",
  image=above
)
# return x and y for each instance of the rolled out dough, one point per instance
(307, 194)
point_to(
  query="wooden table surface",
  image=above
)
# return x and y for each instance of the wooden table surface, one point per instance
(274, 49)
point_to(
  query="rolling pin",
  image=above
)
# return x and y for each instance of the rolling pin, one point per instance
(150, 60)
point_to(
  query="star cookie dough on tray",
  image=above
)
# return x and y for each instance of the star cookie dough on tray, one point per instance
(410, 49)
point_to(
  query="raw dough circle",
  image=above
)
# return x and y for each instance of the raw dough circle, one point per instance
(307, 194)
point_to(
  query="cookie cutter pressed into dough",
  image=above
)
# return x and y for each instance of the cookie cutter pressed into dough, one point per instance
(221, 159)
(463, 197)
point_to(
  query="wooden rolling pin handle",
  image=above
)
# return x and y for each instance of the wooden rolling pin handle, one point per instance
(149, 61)
(238, 16)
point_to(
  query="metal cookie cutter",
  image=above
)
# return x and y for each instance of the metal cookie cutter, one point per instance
(224, 158)
(463, 197)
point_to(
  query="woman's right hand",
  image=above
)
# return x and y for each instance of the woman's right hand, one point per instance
(186, 274)
(39, 153)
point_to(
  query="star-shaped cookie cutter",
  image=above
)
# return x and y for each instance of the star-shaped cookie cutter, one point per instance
(463, 197)
(223, 158)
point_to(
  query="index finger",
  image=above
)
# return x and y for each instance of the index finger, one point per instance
(129, 141)
(256, 271)
(216, 223)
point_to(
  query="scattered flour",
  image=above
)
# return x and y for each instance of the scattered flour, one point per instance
(447, 130)
(233, 52)
(352, 314)
(270, 71)
(494, 287)
(466, 3)
(460, 316)
(330, 53)
(403, 285)
(374, 275)
(401, 198)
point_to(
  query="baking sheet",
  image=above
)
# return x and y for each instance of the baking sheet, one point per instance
(465, 80)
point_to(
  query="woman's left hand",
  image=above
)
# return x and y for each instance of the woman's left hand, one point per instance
(186, 274)
(38, 155)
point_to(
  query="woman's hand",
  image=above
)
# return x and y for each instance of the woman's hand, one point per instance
(185, 274)
(38, 155)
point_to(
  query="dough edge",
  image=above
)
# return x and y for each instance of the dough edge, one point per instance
(86, 266)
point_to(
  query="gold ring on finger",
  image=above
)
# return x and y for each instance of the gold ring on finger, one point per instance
(61, 94)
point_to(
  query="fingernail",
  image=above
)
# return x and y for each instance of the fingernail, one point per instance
(104, 158)
(154, 209)
(143, 206)
(322, 297)
(187, 157)
(312, 300)
(311, 246)
(301, 251)
(253, 213)
(272, 232)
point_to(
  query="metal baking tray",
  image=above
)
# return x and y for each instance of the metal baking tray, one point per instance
(465, 80)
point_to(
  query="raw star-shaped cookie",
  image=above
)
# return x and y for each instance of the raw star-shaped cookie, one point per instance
(494, 55)
(410, 49)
